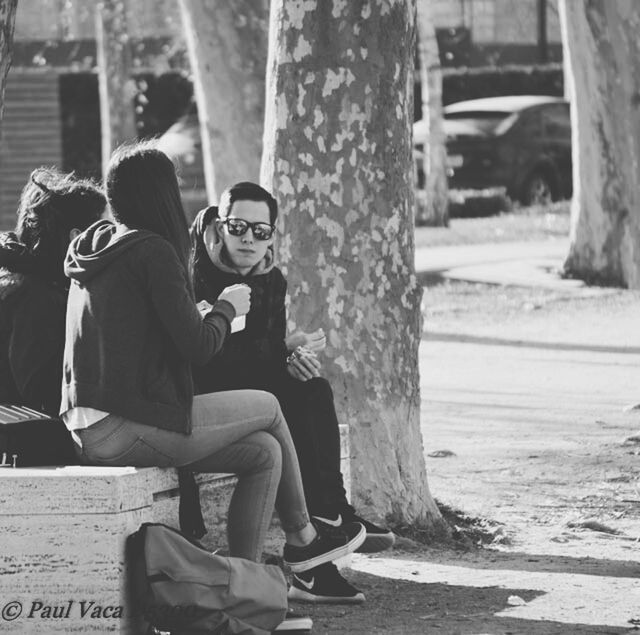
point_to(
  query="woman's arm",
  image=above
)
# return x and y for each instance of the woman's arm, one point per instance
(196, 339)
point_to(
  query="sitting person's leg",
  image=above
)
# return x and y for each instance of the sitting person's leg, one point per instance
(219, 421)
(310, 413)
(257, 461)
(324, 428)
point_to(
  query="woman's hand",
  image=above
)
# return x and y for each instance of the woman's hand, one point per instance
(204, 307)
(239, 295)
(315, 341)
(303, 364)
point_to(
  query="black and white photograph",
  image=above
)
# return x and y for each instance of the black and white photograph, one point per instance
(320, 316)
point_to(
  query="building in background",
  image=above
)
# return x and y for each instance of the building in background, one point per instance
(497, 32)
(51, 114)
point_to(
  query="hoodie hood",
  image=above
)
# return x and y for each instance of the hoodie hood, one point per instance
(98, 246)
(218, 257)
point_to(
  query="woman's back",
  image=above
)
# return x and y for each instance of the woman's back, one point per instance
(133, 329)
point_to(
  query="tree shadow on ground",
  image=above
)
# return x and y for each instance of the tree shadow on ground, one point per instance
(397, 607)
(525, 561)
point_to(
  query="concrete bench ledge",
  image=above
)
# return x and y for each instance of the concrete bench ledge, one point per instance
(90, 490)
(63, 534)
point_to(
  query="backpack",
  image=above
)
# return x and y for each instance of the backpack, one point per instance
(180, 587)
(30, 438)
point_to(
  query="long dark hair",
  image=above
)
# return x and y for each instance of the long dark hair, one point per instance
(143, 192)
(51, 205)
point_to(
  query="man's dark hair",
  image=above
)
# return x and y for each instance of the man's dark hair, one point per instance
(247, 191)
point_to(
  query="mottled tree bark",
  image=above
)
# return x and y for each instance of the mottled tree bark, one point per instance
(7, 22)
(227, 43)
(117, 87)
(337, 155)
(434, 209)
(602, 49)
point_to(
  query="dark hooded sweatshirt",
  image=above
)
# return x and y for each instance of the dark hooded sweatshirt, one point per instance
(256, 356)
(133, 329)
(32, 310)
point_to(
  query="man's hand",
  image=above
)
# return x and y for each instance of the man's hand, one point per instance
(315, 341)
(303, 364)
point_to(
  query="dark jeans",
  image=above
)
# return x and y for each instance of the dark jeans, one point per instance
(311, 416)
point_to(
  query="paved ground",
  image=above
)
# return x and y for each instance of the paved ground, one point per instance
(527, 417)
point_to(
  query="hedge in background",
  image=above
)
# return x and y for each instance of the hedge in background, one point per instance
(474, 83)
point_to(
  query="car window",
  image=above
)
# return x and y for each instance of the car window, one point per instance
(529, 124)
(483, 122)
(557, 121)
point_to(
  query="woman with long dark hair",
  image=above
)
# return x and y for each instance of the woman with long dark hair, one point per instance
(133, 331)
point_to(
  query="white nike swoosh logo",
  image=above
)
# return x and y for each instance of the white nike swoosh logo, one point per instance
(333, 523)
(304, 583)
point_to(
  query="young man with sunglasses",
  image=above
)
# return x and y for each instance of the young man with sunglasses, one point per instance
(234, 244)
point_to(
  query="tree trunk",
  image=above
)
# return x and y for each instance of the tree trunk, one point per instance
(433, 204)
(117, 87)
(7, 22)
(227, 43)
(602, 50)
(337, 155)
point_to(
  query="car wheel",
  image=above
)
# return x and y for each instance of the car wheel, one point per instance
(538, 189)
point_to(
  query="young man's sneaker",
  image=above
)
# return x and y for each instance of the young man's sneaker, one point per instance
(330, 544)
(294, 623)
(323, 585)
(377, 539)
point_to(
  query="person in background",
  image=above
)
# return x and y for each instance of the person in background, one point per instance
(233, 244)
(54, 207)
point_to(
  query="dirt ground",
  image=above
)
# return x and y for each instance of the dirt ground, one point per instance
(524, 421)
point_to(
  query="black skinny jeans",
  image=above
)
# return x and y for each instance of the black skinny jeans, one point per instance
(311, 416)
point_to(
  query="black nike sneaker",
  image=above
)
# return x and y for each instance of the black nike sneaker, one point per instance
(330, 544)
(323, 585)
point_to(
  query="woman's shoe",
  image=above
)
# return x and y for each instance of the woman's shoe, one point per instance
(330, 544)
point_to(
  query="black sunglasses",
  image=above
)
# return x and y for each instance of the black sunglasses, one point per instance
(239, 227)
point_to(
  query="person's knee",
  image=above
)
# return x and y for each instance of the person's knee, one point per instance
(268, 451)
(267, 402)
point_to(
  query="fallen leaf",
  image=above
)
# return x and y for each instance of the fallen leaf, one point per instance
(593, 525)
(515, 600)
(440, 454)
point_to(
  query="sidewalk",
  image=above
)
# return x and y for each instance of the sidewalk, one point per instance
(524, 416)
(536, 264)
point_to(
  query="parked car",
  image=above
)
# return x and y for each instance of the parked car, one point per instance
(520, 142)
